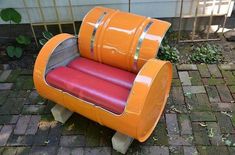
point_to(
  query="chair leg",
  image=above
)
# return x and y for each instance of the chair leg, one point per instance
(121, 142)
(60, 113)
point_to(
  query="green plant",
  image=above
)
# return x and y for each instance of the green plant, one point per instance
(23, 40)
(14, 51)
(167, 50)
(206, 53)
(47, 36)
(16, 48)
(10, 14)
(169, 53)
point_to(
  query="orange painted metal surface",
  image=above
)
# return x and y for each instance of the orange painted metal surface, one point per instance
(151, 87)
(120, 39)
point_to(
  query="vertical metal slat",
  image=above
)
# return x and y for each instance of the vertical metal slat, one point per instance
(42, 15)
(210, 20)
(57, 16)
(226, 15)
(71, 12)
(195, 20)
(31, 25)
(180, 22)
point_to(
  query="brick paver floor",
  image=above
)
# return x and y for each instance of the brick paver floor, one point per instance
(199, 118)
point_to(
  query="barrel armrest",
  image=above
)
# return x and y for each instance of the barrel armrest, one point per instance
(143, 83)
(149, 95)
(58, 51)
(62, 54)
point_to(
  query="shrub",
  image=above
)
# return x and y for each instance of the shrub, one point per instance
(206, 53)
(168, 53)
(167, 50)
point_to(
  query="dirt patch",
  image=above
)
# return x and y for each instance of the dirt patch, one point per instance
(185, 49)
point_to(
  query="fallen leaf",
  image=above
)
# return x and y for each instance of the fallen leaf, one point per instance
(46, 141)
(211, 133)
(155, 139)
(203, 124)
(227, 114)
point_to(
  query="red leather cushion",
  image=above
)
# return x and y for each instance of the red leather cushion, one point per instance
(98, 91)
(111, 74)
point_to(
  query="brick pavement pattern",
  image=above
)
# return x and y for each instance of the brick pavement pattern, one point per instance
(199, 118)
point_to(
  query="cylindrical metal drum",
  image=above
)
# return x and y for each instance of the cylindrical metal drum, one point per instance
(120, 39)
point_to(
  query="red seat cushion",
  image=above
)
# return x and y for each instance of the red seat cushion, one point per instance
(102, 93)
(108, 73)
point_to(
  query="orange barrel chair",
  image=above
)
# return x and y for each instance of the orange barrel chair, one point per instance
(108, 74)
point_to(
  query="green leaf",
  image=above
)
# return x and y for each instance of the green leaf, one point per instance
(169, 53)
(10, 51)
(24, 40)
(48, 35)
(18, 52)
(14, 51)
(43, 41)
(206, 53)
(10, 14)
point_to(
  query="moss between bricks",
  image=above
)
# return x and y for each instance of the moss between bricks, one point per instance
(14, 75)
(212, 150)
(232, 89)
(202, 116)
(176, 82)
(213, 81)
(233, 118)
(3, 96)
(195, 78)
(160, 135)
